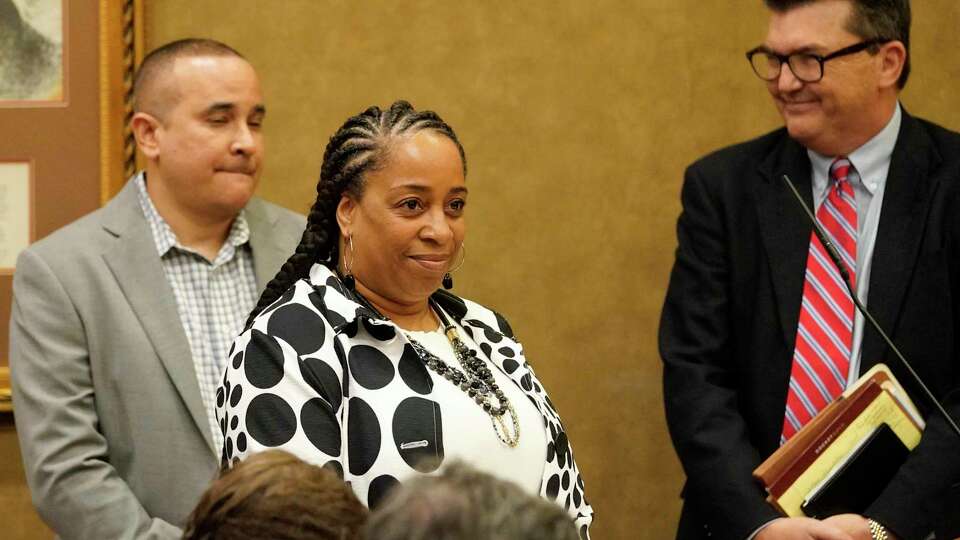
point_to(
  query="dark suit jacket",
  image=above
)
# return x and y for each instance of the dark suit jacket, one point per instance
(730, 317)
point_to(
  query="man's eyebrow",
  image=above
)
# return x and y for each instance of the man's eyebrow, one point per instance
(806, 49)
(221, 106)
(809, 49)
(227, 107)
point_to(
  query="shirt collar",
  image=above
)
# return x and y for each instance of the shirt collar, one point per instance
(239, 231)
(164, 237)
(350, 308)
(871, 161)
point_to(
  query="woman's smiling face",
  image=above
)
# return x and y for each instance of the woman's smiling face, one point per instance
(409, 224)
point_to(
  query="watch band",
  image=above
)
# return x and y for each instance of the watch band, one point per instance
(877, 531)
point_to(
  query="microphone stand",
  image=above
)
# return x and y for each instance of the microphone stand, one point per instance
(845, 275)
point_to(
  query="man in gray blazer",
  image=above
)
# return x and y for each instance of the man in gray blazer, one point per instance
(121, 320)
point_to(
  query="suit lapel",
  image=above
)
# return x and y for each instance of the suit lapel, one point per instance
(785, 228)
(906, 201)
(268, 255)
(136, 267)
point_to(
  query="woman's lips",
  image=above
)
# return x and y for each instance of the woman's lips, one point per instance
(434, 263)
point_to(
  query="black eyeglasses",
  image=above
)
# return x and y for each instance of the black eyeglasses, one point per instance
(806, 67)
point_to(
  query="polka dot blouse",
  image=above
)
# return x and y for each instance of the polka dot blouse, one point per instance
(323, 377)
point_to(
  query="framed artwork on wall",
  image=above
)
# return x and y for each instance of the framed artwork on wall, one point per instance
(33, 64)
(16, 211)
(17, 231)
(65, 95)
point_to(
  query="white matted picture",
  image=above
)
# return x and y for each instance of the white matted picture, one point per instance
(31, 63)
(16, 201)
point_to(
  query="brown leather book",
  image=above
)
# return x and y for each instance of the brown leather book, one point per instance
(825, 434)
(774, 466)
(820, 452)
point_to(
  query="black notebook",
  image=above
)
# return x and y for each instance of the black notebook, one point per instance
(861, 479)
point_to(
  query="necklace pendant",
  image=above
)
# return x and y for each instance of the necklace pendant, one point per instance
(503, 433)
(476, 381)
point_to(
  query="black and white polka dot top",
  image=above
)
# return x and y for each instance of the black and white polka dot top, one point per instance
(323, 377)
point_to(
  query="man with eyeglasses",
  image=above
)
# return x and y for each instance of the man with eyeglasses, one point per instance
(758, 332)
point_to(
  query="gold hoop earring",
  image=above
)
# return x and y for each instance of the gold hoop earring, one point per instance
(447, 277)
(348, 280)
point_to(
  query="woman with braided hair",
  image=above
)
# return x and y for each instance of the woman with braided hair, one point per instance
(357, 360)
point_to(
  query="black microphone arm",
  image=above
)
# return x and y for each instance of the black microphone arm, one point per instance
(835, 257)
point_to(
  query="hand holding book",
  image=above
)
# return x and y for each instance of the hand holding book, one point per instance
(857, 526)
(803, 529)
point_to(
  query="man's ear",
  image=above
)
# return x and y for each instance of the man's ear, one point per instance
(893, 58)
(145, 129)
(346, 210)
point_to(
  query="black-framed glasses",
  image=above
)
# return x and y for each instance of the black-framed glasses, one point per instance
(806, 67)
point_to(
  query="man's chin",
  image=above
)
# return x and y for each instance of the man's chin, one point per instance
(232, 201)
(240, 177)
(801, 130)
(236, 185)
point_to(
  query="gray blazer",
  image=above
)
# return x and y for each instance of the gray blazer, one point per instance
(114, 437)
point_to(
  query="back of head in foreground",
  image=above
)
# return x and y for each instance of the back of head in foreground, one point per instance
(275, 495)
(464, 504)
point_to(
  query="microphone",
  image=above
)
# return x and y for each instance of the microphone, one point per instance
(842, 268)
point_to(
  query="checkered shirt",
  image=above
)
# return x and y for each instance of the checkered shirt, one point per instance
(213, 297)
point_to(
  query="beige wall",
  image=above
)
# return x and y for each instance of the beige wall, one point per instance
(578, 118)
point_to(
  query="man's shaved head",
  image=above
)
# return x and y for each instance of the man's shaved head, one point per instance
(197, 120)
(152, 92)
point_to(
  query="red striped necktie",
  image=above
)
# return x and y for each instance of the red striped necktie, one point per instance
(821, 356)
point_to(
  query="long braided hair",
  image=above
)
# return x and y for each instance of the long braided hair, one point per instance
(360, 145)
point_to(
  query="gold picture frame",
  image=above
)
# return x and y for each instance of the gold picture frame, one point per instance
(6, 394)
(121, 51)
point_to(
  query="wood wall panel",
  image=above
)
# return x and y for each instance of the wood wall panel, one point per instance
(63, 143)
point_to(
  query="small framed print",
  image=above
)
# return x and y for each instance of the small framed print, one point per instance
(16, 211)
(32, 66)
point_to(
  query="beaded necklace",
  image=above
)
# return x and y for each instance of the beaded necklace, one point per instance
(475, 380)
